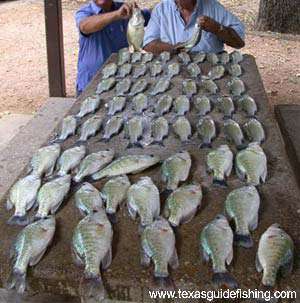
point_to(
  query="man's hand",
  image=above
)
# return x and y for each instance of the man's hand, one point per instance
(208, 24)
(125, 11)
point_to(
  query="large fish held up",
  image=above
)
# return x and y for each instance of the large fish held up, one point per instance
(136, 31)
(193, 41)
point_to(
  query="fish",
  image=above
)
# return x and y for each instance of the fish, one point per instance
(159, 130)
(90, 127)
(68, 127)
(70, 159)
(212, 58)
(94, 162)
(224, 58)
(51, 196)
(88, 106)
(139, 70)
(22, 197)
(275, 254)
(115, 105)
(217, 244)
(194, 70)
(134, 129)
(165, 56)
(109, 70)
(184, 58)
(88, 199)
(143, 200)
(124, 70)
(202, 105)
(235, 70)
(251, 164)
(236, 57)
(175, 169)
(92, 249)
(242, 206)
(105, 85)
(199, 57)
(182, 128)
(182, 204)
(192, 41)
(189, 87)
(140, 103)
(234, 133)
(255, 131)
(158, 243)
(28, 249)
(147, 57)
(123, 87)
(217, 72)
(124, 165)
(155, 69)
(209, 86)
(123, 56)
(114, 192)
(226, 106)
(220, 162)
(163, 105)
(112, 127)
(181, 105)
(173, 70)
(138, 87)
(248, 105)
(162, 85)
(236, 87)
(44, 160)
(206, 130)
(136, 57)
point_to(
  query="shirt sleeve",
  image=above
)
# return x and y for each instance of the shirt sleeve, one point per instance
(80, 15)
(152, 31)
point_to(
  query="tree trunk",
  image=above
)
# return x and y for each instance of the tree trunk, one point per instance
(279, 16)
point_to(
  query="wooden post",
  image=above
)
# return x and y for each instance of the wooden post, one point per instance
(55, 48)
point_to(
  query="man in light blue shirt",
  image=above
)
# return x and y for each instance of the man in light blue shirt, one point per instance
(172, 22)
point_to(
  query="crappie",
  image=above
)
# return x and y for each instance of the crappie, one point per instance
(212, 58)
(175, 169)
(184, 58)
(275, 253)
(140, 103)
(209, 86)
(68, 127)
(123, 87)
(158, 244)
(219, 162)
(109, 70)
(194, 39)
(217, 72)
(112, 127)
(202, 105)
(194, 70)
(143, 200)
(182, 204)
(22, 196)
(163, 105)
(236, 57)
(248, 105)
(159, 130)
(89, 105)
(234, 133)
(199, 57)
(134, 129)
(70, 159)
(255, 131)
(93, 163)
(173, 69)
(217, 244)
(182, 128)
(105, 85)
(136, 57)
(226, 106)
(181, 105)
(189, 87)
(251, 164)
(123, 56)
(155, 69)
(235, 70)
(236, 87)
(224, 58)
(147, 57)
(124, 165)
(51, 195)
(160, 86)
(90, 127)
(242, 207)
(139, 70)
(165, 57)
(138, 87)
(91, 246)
(28, 249)
(115, 105)
(124, 70)
(206, 130)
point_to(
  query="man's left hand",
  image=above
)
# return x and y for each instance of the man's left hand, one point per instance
(208, 24)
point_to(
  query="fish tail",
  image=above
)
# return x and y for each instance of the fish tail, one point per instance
(165, 193)
(19, 220)
(91, 288)
(164, 282)
(206, 145)
(269, 277)
(135, 145)
(158, 143)
(17, 280)
(243, 240)
(112, 217)
(219, 182)
(224, 279)
(242, 146)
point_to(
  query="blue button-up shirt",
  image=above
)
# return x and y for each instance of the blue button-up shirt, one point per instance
(167, 25)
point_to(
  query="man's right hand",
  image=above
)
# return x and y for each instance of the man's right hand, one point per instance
(125, 11)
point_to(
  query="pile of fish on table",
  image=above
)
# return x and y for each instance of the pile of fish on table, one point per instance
(145, 113)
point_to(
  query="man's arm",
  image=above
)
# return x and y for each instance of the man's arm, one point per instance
(157, 46)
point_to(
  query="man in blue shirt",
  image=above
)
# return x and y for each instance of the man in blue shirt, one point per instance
(173, 21)
(102, 28)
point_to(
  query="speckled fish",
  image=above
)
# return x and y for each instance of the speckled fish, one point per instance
(93, 163)
(112, 127)
(236, 57)
(28, 249)
(70, 159)
(226, 106)
(217, 72)
(115, 105)
(160, 86)
(155, 69)
(173, 69)
(124, 70)
(91, 247)
(199, 57)
(189, 87)
(114, 193)
(181, 105)
(159, 130)
(184, 58)
(175, 169)
(254, 131)
(88, 106)
(182, 128)
(234, 133)
(143, 200)
(158, 244)
(68, 127)
(194, 70)
(209, 86)
(139, 70)
(90, 127)
(105, 85)
(165, 57)
(219, 162)
(206, 130)
(136, 57)
(123, 87)
(224, 58)
(51, 195)
(134, 129)
(182, 204)
(242, 207)
(147, 57)
(43, 161)
(236, 87)
(138, 87)
(202, 105)
(235, 70)
(248, 105)
(212, 58)
(88, 199)
(251, 164)
(123, 56)
(193, 41)
(109, 70)
(163, 105)
(22, 196)
(140, 103)
(124, 165)
(275, 254)
(217, 244)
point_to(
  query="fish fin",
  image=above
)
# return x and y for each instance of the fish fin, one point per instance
(107, 260)
(9, 205)
(18, 281)
(224, 279)
(19, 220)
(227, 117)
(241, 175)
(50, 171)
(264, 176)
(287, 267)
(221, 183)
(145, 259)
(189, 217)
(135, 145)
(205, 256)
(258, 265)
(131, 211)
(92, 288)
(229, 257)
(38, 258)
(164, 282)
(242, 146)
(160, 143)
(77, 260)
(174, 262)
(112, 217)
(166, 211)
(141, 229)
(205, 145)
(165, 193)
(56, 207)
(243, 240)
(254, 223)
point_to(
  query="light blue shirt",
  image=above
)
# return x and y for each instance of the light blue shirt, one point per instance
(167, 25)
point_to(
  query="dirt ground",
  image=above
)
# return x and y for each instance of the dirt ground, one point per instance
(23, 61)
